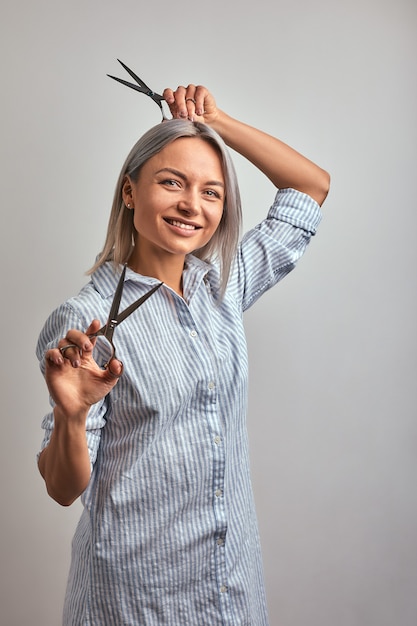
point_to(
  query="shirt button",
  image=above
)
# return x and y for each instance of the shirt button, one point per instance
(223, 589)
(211, 385)
(220, 541)
(193, 333)
(217, 440)
(218, 493)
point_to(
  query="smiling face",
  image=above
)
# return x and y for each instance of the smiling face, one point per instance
(177, 199)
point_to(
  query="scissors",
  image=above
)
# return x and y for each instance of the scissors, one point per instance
(142, 87)
(115, 318)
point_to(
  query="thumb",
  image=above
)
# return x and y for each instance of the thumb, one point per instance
(114, 368)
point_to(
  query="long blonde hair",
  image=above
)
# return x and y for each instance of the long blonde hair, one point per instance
(120, 231)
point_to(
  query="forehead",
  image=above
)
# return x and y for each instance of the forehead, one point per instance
(192, 153)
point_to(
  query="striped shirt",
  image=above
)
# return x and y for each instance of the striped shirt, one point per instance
(168, 535)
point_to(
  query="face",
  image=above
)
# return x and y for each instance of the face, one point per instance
(178, 198)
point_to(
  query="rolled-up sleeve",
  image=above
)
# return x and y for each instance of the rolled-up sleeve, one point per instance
(57, 325)
(272, 249)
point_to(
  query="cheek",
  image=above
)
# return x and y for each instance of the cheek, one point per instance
(215, 225)
(142, 216)
(218, 219)
(141, 226)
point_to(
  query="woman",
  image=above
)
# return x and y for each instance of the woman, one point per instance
(157, 446)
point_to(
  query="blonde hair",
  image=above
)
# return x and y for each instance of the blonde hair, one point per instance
(222, 246)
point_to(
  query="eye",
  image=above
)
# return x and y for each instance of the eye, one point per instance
(169, 182)
(212, 193)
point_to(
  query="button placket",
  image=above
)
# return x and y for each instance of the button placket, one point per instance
(205, 350)
(221, 520)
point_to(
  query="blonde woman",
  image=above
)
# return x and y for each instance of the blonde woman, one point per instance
(156, 443)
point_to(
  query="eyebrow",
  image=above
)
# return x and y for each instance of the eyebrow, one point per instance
(172, 170)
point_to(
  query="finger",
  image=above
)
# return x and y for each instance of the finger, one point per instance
(73, 345)
(54, 357)
(200, 95)
(93, 328)
(68, 347)
(70, 352)
(115, 368)
(79, 339)
(168, 95)
(180, 94)
(171, 100)
(190, 101)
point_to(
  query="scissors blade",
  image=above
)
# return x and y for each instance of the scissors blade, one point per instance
(125, 82)
(108, 329)
(135, 305)
(134, 76)
(128, 311)
(142, 87)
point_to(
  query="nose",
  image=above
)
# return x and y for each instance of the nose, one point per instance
(189, 202)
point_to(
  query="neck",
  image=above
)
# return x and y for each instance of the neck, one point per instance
(166, 268)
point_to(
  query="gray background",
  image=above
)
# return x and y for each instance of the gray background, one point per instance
(333, 349)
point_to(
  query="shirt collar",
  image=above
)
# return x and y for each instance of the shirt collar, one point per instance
(105, 278)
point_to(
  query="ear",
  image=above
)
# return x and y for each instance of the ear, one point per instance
(127, 192)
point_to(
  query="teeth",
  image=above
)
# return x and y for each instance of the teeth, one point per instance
(182, 225)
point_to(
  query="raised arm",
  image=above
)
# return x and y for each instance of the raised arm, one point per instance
(283, 165)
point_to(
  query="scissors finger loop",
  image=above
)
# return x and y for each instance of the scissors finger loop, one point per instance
(67, 347)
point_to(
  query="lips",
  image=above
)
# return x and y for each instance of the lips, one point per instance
(183, 225)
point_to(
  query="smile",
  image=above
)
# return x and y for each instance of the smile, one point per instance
(182, 225)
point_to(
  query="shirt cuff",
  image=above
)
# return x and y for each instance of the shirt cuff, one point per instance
(296, 208)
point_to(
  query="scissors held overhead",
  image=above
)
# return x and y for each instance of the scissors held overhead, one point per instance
(142, 87)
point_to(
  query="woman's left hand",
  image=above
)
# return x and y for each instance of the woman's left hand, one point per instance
(194, 102)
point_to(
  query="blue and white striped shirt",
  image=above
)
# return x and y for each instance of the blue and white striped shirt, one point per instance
(168, 534)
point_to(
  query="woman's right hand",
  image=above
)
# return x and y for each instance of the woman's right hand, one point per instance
(75, 381)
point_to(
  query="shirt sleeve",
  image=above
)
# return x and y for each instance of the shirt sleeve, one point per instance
(272, 249)
(57, 325)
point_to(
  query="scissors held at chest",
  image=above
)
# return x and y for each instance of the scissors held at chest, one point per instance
(115, 318)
